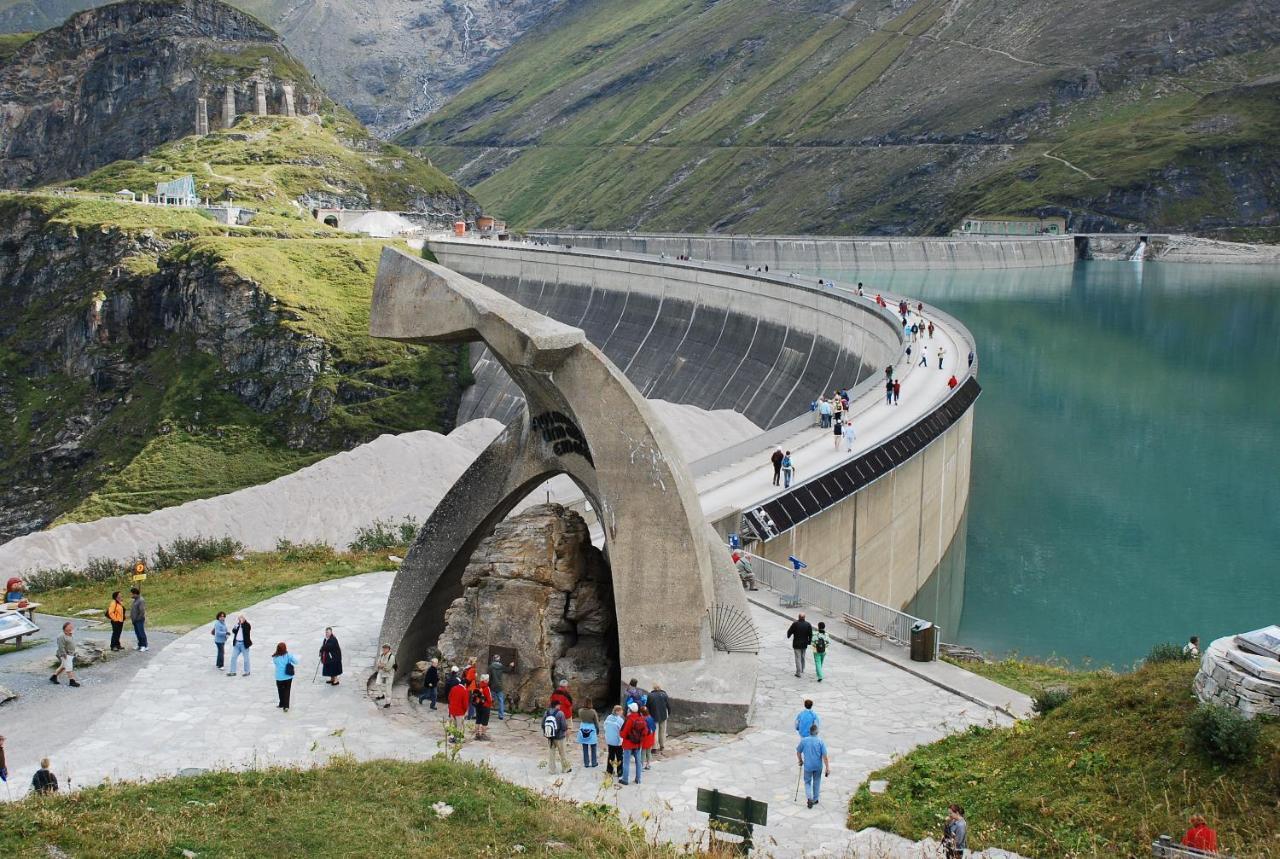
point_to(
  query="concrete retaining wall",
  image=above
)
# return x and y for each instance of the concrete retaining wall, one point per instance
(885, 541)
(764, 347)
(836, 253)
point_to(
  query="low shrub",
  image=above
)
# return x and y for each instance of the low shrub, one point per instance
(1167, 652)
(1050, 699)
(1223, 734)
(291, 551)
(385, 534)
(195, 550)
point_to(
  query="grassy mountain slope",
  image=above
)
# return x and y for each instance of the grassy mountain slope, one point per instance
(812, 115)
(223, 356)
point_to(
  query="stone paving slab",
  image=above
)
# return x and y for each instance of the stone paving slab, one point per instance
(179, 712)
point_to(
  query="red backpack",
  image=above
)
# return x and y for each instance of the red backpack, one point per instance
(636, 731)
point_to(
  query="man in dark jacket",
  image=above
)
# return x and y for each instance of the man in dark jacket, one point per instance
(138, 614)
(801, 634)
(44, 782)
(776, 459)
(430, 681)
(660, 710)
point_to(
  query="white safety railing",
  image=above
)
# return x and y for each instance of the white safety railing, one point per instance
(797, 590)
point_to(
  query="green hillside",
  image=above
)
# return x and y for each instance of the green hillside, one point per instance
(860, 117)
(224, 356)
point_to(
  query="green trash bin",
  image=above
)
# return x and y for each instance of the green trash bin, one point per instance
(924, 639)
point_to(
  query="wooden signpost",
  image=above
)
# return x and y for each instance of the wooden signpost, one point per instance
(733, 814)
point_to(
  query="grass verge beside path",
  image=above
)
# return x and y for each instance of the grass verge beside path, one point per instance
(1104, 774)
(381, 808)
(189, 596)
(1030, 678)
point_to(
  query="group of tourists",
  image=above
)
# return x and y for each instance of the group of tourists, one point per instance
(285, 664)
(803, 636)
(633, 732)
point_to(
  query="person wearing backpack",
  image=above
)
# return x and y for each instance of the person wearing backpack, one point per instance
(286, 666)
(820, 642)
(555, 728)
(613, 740)
(588, 735)
(634, 732)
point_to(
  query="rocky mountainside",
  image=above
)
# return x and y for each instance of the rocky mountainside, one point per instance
(390, 61)
(850, 116)
(114, 82)
(150, 356)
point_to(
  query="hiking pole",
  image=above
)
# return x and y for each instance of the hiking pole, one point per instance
(799, 771)
(315, 673)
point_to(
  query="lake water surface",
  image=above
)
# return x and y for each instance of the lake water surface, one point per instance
(1126, 458)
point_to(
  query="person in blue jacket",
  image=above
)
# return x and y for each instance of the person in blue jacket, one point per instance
(613, 739)
(806, 719)
(219, 633)
(286, 665)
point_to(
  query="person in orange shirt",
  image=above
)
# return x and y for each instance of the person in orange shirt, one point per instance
(1200, 836)
(115, 614)
(469, 680)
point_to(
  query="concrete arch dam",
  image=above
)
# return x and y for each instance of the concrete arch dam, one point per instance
(683, 333)
(876, 520)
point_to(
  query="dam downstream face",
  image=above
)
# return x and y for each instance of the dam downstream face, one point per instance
(1126, 463)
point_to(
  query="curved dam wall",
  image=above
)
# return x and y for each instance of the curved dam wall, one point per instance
(885, 540)
(683, 333)
(837, 252)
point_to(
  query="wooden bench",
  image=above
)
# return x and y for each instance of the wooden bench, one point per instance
(861, 626)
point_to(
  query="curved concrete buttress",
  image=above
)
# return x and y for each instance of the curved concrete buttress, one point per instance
(582, 418)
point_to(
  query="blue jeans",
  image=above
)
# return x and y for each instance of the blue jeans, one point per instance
(221, 646)
(627, 755)
(140, 631)
(236, 653)
(589, 755)
(428, 692)
(502, 704)
(812, 784)
(786, 477)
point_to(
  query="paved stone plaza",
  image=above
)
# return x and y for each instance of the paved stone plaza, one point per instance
(178, 712)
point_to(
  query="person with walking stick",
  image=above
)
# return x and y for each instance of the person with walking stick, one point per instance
(811, 757)
(330, 657)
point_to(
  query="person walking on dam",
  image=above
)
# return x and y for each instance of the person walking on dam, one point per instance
(806, 719)
(138, 615)
(788, 469)
(821, 641)
(776, 461)
(849, 435)
(897, 391)
(888, 392)
(941, 354)
(801, 634)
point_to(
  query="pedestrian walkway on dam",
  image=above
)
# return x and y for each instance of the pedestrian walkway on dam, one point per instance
(179, 713)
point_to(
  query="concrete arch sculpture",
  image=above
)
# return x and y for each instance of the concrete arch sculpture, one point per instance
(584, 419)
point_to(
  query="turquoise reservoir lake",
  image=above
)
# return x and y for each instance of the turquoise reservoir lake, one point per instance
(1126, 458)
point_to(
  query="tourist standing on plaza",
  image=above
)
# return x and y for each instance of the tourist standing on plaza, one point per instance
(634, 694)
(660, 710)
(241, 641)
(431, 683)
(837, 408)
(955, 833)
(801, 634)
(930, 330)
(219, 633)
(458, 702)
(115, 614)
(647, 746)
(821, 641)
(613, 740)
(330, 657)
(837, 433)
(811, 755)
(555, 727)
(469, 680)
(589, 735)
(788, 469)
(384, 673)
(849, 435)
(746, 575)
(897, 390)
(496, 672)
(924, 357)
(138, 614)
(776, 462)
(806, 719)
(941, 353)
(452, 680)
(482, 704)
(562, 699)
(634, 731)
(907, 359)
(286, 667)
(66, 656)
(44, 782)
(888, 392)
(824, 412)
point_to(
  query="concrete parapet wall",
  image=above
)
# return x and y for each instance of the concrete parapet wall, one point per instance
(836, 253)
(764, 347)
(884, 541)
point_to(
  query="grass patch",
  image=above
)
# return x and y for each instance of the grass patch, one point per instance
(189, 595)
(1030, 677)
(1103, 774)
(379, 808)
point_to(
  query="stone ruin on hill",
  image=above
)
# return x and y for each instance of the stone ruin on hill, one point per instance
(537, 585)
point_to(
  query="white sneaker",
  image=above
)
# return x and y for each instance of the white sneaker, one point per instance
(143, 649)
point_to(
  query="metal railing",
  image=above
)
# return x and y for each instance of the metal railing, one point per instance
(797, 590)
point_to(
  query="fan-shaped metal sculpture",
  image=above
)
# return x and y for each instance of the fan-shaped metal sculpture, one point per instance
(732, 630)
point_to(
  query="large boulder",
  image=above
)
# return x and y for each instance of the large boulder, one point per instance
(538, 586)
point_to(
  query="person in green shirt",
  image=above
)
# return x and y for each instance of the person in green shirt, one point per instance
(821, 641)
